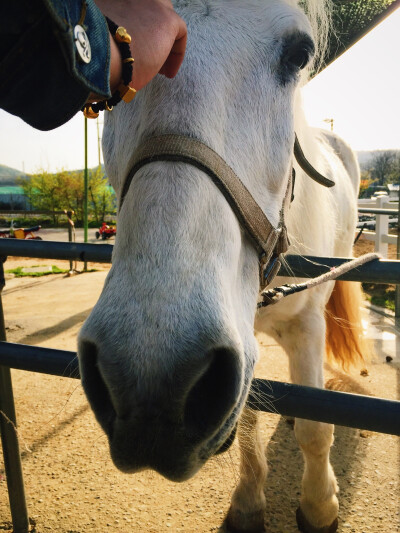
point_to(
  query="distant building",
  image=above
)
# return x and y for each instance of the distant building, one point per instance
(13, 197)
(393, 191)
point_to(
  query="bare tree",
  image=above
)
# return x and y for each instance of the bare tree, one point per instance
(381, 166)
(395, 174)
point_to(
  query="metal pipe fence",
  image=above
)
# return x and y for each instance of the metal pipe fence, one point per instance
(382, 208)
(375, 414)
(377, 211)
(383, 271)
(363, 412)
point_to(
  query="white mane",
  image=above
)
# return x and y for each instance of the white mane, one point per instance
(319, 13)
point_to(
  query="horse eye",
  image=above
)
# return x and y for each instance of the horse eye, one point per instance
(297, 51)
(299, 58)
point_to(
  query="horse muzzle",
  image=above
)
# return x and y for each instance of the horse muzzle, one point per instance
(173, 422)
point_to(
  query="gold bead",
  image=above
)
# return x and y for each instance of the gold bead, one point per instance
(128, 60)
(122, 36)
(109, 108)
(127, 93)
(88, 112)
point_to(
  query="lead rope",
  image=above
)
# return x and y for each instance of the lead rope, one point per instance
(273, 296)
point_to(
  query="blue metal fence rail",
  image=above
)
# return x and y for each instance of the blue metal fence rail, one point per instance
(383, 271)
(340, 408)
(363, 412)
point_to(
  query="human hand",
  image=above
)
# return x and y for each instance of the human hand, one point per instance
(158, 38)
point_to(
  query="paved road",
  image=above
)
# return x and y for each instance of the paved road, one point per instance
(61, 234)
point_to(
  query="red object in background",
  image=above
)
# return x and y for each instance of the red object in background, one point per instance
(106, 231)
(20, 233)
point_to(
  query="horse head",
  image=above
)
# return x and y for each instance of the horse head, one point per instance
(167, 354)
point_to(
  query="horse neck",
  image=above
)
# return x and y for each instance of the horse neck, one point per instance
(310, 214)
(305, 133)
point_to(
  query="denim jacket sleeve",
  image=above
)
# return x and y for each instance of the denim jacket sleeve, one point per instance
(43, 79)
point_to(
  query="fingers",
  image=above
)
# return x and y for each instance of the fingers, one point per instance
(159, 38)
(172, 65)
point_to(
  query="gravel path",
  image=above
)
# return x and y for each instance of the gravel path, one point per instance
(73, 487)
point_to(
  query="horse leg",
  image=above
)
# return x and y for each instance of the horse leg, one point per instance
(246, 513)
(303, 338)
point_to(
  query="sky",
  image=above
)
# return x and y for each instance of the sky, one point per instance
(360, 91)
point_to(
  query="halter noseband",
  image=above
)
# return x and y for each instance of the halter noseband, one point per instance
(269, 241)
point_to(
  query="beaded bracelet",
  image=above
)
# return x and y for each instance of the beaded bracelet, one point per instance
(123, 92)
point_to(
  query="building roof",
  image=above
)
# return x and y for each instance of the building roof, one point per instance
(11, 190)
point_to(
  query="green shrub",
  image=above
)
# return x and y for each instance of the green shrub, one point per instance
(18, 273)
(382, 295)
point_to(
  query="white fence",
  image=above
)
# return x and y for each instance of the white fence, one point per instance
(380, 236)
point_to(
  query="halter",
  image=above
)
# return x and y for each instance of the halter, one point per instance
(270, 242)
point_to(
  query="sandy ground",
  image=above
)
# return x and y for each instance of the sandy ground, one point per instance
(363, 247)
(72, 485)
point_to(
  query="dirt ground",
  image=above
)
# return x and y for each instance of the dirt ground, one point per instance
(363, 247)
(73, 487)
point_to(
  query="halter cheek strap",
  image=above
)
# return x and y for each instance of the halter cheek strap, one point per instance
(308, 168)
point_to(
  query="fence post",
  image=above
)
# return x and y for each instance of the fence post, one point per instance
(9, 437)
(85, 196)
(397, 294)
(381, 228)
(71, 236)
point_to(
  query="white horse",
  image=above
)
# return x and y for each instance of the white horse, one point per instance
(167, 355)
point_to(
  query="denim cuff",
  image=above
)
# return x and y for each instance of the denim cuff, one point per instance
(42, 78)
(66, 15)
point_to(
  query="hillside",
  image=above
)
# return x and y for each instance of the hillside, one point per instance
(9, 175)
(364, 157)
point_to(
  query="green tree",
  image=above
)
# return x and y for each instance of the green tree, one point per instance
(45, 191)
(64, 190)
(101, 195)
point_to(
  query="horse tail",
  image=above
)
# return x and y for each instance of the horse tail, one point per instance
(345, 341)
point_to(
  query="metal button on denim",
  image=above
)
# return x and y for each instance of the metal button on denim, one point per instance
(82, 44)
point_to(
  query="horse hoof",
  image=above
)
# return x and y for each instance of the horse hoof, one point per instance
(305, 526)
(239, 522)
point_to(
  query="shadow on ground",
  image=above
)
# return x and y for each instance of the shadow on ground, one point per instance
(50, 332)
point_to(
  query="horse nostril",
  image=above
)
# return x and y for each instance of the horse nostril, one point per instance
(95, 387)
(213, 397)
